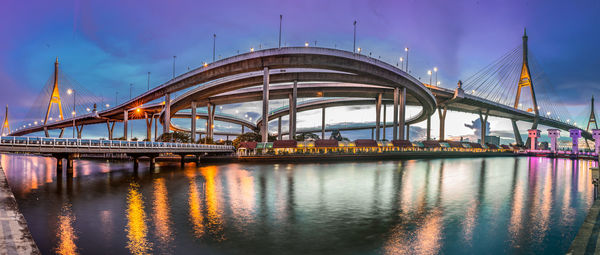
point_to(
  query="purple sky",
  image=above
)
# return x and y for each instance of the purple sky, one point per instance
(106, 45)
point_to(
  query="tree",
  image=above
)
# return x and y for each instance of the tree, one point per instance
(251, 137)
(177, 137)
(307, 136)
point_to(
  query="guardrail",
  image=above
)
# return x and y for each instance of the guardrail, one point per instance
(23, 141)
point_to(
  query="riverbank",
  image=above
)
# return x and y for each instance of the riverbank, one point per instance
(15, 237)
(329, 157)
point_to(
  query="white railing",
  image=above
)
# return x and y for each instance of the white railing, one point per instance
(93, 143)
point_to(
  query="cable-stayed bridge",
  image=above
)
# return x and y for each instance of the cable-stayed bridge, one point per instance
(512, 87)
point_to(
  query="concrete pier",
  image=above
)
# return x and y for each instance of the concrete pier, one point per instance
(15, 237)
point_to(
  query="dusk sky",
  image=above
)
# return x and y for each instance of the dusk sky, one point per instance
(106, 45)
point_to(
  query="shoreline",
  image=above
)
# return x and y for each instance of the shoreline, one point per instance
(15, 237)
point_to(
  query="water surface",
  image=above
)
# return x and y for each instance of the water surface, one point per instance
(451, 206)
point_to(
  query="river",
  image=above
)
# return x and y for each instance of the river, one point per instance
(451, 206)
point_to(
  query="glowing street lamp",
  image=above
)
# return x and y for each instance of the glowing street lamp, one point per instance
(358, 49)
(251, 49)
(401, 63)
(406, 50)
(429, 73)
(305, 44)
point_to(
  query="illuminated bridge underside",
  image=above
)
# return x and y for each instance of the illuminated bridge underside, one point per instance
(362, 70)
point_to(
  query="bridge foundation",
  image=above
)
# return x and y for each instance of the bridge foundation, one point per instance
(293, 97)
(110, 125)
(518, 139)
(596, 136)
(534, 134)
(167, 118)
(193, 122)
(575, 135)
(125, 122)
(554, 134)
(323, 123)
(483, 120)
(428, 128)
(264, 131)
(377, 117)
(442, 114)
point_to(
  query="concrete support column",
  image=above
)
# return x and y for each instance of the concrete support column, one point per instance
(148, 126)
(428, 128)
(554, 134)
(155, 128)
(442, 114)
(395, 127)
(596, 136)
(534, 134)
(378, 117)
(402, 112)
(323, 123)
(265, 107)
(110, 127)
(483, 121)
(407, 132)
(193, 122)
(79, 131)
(518, 139)
(167, 119)
(125, 120)
(575, 135)
(293, 112)
(384, 120)
(279, 128)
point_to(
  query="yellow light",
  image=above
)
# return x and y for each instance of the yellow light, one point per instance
(406, 49)
(69, 91)
(35, 122)
(205, 64)
(138, 110)
(73, 113)
(87, 109)
(429, 72)
(107, 105)
(251, 49)
(50, 118)
(306, 44)
(359, 49)
(401, 59)
(435, 69)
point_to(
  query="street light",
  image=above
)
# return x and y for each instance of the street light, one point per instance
(130, 88)
(435, 69)
(72, 91)
(305, 44)
(401, 63)
(359, 49)
(406, 50)
(429, 73)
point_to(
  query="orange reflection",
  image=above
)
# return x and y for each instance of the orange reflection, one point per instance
(66, 234)
(215, 223)
(137, 231)
(195, 204)
(241, 195)
(161, 216)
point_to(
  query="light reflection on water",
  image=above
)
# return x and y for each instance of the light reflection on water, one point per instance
(453, 206)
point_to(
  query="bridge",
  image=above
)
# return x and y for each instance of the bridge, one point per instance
(331, 78)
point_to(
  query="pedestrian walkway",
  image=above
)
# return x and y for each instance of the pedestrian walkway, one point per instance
(14, 234)
(587, 239)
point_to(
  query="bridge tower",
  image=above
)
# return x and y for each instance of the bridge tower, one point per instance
(5, 126)
(525, 81)
(592, 118)
(54, 99)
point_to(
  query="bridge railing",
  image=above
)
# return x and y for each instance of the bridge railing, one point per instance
(93, 143)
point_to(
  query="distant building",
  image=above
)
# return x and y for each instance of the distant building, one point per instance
(495, 140)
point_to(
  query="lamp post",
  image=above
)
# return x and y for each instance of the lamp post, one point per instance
(130, 89)
(174, 57)
(401, 63)
(280, 20)
(354, 45)
(435, 69)
(71, 91)
(406, 50)
(429, 73)
(214, 45)
(148, 80)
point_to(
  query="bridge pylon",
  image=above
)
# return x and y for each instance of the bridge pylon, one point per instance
(54, 99)
(525, 81)
(591, 120)
(5, 126)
